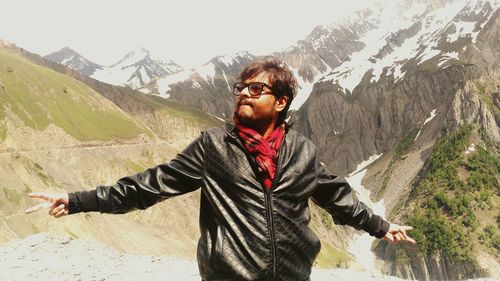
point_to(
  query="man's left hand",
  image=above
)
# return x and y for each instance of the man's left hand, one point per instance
(397, 233)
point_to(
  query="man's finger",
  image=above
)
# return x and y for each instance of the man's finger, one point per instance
(409, 239)
(54, 211)
(406, 227)
(38, 208)
(398, 236)
(389, 237)
(41, 195)
(61, 213)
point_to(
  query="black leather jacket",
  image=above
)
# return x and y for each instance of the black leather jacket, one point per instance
(247, 231)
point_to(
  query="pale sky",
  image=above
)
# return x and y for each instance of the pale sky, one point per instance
(188, 32)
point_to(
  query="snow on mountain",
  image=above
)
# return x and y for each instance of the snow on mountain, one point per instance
(164, 83)
(135, 69)
(305, 88)
(414, 32)
(223, 68)
(73, 60)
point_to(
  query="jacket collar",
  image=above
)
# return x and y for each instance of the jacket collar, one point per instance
(231, 130)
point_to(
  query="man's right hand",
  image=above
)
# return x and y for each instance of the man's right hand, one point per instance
(57, 204)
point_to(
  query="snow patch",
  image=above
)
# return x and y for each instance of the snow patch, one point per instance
(229, 86)
(145, 90)
(446, 57)
(112, 75)
(433, 114)
(463, 29)
(165, 82)
(422, 46)
(132, 57)
(365, 163)
(226, 59)
(304, 90)
(196, 84)
(207, 72)
(418, 134)
(144, 75)
(361, 244)
(216, 117)
(69, 59)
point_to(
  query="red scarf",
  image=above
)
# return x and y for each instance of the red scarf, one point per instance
(264, 150)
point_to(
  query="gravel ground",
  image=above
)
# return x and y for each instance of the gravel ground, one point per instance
(50, 257)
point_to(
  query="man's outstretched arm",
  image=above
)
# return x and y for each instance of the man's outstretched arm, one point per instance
(335, 195)
(181, 175)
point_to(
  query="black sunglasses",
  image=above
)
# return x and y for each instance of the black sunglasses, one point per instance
(255, 88)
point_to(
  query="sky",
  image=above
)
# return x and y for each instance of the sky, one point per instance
(188, 32)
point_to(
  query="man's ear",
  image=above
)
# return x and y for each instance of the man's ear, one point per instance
(281, 103)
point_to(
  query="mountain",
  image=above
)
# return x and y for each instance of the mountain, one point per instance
(35, 98)
(73, 60)
(208, 87)
(399, 44)
(135, 69)
(414, 77)
(58, 134)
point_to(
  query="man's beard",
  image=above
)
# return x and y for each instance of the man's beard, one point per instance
(250, 121)
(241, 118)
(237, 118)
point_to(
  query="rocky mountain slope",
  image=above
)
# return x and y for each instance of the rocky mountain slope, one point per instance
(60, 135)
(397, 101)
(208, 87)
(164, 117)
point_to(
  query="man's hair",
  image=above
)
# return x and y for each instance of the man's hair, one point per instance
(280, 77)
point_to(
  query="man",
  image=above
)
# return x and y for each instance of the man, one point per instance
(256, 178)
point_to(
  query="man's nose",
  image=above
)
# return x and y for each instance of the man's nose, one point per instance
(245, 92)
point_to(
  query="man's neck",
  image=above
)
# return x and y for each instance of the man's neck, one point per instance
(265, 131)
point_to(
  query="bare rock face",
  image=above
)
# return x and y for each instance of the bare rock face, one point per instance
(350, 128)
(468, 107)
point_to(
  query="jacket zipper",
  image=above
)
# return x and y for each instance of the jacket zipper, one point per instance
(270, 222)
(270, 209)
(267, 197)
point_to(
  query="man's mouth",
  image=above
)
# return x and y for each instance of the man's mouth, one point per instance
(241, 103)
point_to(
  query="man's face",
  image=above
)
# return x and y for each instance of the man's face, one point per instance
(257, 111)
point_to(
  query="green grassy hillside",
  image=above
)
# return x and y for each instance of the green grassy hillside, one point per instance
(40, 96)
(454, 206)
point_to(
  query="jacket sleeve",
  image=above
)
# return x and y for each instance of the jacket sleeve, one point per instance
(334, 194)
(181, 175)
